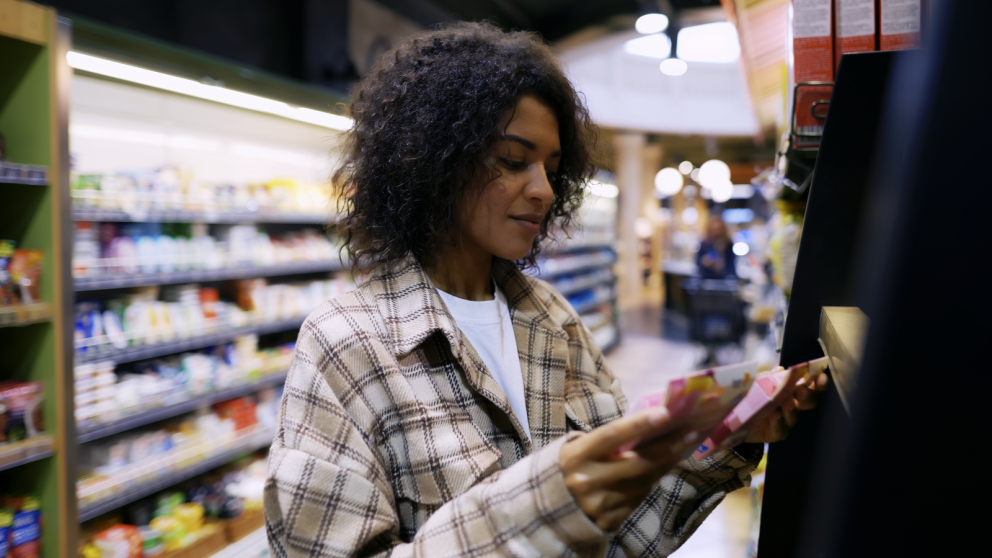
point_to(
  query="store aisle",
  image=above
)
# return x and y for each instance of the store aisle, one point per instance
(653, 350)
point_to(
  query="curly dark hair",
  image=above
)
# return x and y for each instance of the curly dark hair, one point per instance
(427, 117)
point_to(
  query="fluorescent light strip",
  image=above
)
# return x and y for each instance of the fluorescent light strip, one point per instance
(199, 90)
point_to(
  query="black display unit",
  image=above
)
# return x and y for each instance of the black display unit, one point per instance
(898, 208)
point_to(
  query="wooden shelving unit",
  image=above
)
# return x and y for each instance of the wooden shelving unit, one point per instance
(35, 339)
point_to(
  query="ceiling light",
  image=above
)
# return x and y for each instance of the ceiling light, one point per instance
(653, 46)
(685, 167)
(651, 23)
(668, 182)
(603, 189)
(711, 42)
(714, 172)
(673, 67)
(722, 191)
(192, 88)
(690, 216)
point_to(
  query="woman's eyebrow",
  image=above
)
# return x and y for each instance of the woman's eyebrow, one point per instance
(526, 143)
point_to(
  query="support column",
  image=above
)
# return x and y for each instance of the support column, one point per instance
(629, 150)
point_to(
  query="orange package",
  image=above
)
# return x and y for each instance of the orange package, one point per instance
(25, 273)
(120, 541)
(855, 27)
(813, 61)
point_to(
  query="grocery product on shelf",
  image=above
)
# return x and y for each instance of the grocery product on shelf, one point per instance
(144, 248)
(20, 274)
(20, 527)
(20, 411)
(223, 506)
(103, 396)
(116, 465)
(173, 189)
(186, 311)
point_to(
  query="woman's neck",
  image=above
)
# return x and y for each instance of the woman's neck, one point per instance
(464, 273)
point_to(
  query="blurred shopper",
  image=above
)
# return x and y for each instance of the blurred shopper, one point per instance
(452, 405)
(716, 259)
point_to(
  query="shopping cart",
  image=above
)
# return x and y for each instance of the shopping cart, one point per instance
(716, 313)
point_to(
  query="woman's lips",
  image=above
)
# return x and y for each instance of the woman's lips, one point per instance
(528, 223)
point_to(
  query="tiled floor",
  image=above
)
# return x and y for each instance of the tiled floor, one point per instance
(652, 351)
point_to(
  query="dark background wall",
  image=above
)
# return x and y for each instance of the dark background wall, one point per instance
(308, 39)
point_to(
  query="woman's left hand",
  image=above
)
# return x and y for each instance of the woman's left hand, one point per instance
(776, 427)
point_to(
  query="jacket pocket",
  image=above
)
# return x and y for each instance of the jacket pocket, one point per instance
(436, 455)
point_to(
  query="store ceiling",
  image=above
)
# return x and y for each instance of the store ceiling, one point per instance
(554, 19)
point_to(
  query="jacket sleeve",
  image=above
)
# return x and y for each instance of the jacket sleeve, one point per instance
(327, 493)
(687, 494)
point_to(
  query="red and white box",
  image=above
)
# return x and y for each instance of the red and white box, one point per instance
(900, 23)
(813, 60)
(854, 27)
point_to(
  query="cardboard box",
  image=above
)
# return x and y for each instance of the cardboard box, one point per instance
(854, 27)
(813, 60)
(900, 23)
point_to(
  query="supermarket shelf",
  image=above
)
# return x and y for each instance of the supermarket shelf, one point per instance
(254, 545)
(116, 215)
(611, 345)
(132, 354)
(192, 404)
(579, 248)
(24, 314)
(32, 175)
(124, 498)
(146, 279)
(593, 304)
(574, 270)
(587, 287)
(25, 451)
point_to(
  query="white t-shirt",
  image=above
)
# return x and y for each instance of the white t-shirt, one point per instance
(487, 326)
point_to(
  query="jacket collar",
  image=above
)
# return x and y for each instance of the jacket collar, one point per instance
(413, 311)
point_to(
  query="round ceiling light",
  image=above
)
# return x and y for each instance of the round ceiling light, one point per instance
(722, 191)
(713, 172)
(651, 23)
(668, 181)
(673, 67)
(685, 167)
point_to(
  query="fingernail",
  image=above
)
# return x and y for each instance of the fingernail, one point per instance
(658, 416)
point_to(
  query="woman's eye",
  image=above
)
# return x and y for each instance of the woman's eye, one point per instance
(513, 165)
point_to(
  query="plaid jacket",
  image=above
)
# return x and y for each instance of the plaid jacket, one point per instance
(394, 439)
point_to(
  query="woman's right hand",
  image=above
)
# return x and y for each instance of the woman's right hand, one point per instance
(609, 486)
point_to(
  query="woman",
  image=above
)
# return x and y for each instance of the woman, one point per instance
(451, 405)
(716, 259)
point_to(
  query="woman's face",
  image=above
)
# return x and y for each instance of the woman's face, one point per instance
(503, 217)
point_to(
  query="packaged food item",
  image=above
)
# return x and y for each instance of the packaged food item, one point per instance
(855, 27)
(191, 514)
(900, 22)
(25, 273)
(152, 542)
(8, 293)
(173, 531)
(25, 532)
(120, 541)
(813, 61)
(20, 410)
(6, 520)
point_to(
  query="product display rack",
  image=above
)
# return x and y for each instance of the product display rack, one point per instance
(583, 273)
(130, 494)
(34, 338)
(97, 40)
(132, 354)
(200, 276)
(36, 105)
(170, 411)
(116, 215)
